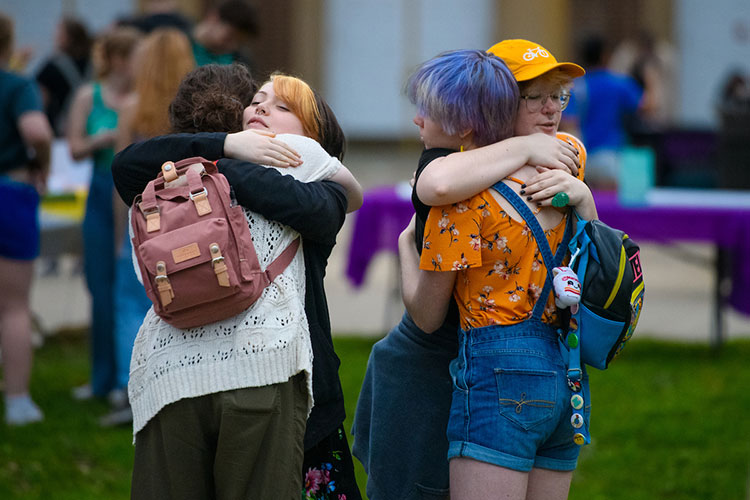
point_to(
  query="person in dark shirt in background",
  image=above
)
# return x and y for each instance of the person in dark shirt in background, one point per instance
(25, 137)
(64, 71)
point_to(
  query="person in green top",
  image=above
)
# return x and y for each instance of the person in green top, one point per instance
(91, 133)
(218, 37)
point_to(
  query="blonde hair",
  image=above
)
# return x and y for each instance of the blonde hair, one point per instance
(164, 58)
(301, 101)
(119, 41)
(555, 77)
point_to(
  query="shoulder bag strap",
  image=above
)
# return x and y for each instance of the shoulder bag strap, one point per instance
(550, 261)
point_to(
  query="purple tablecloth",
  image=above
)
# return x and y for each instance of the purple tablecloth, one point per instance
(385, 213)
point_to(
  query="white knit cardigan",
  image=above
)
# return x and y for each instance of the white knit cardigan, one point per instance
(266, 344)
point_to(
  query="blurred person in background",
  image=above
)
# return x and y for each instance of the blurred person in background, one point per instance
(159, 14)
(160, 62)
(92, 130)
(25, 138)
(219, 36)
(64, 71)
(650, 69)
(602, 104)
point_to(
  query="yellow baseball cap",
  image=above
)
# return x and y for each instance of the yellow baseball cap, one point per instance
(528, 60)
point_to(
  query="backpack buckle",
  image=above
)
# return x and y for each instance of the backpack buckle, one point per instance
(166, 293)
(575, 374)
(200, 200)
(220, 268)
(153, 219)
(196, 194)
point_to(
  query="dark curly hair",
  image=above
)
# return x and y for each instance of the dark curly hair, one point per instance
(212, 98)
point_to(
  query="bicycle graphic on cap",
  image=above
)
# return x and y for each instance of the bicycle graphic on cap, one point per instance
(531, 54)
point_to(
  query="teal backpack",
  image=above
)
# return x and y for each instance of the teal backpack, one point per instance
(608, 265)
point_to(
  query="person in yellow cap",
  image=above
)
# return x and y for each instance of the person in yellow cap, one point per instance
(404, 404)
(544, 84)
(512, 427)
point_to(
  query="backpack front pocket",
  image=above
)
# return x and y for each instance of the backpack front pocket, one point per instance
(182, 260)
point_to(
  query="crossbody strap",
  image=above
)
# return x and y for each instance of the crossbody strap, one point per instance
(572, 353)
(550, 261)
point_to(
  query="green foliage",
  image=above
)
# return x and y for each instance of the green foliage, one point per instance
(669, 422)
(68, 456)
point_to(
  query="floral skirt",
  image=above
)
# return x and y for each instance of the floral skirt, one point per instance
(328, 470)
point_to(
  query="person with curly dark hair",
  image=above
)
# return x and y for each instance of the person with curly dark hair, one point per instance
(212, 98)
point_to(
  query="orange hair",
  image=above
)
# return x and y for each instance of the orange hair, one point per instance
(163, 60)
(301, 101)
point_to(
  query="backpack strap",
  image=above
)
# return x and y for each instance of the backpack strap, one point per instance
(570, 348)
(550, 261)
(282, 261)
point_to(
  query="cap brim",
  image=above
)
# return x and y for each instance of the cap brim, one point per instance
(530, 72)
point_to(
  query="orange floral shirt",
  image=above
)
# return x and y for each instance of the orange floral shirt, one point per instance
(500, 269)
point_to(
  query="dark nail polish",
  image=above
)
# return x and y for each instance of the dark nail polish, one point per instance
(522, 192)
(523, 186)
(528, 198)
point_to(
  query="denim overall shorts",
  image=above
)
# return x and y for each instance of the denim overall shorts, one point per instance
(511, 399)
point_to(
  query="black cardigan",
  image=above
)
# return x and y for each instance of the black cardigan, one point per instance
(316, 210)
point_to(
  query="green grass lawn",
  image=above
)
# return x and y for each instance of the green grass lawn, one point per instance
(670, 421)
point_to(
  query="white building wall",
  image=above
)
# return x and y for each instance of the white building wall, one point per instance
(36, 20)
(713, 38)
(371, 48)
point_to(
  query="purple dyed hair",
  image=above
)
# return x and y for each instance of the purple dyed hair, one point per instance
(467, 90)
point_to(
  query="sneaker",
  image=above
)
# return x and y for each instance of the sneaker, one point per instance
(117, 417)
(21, 410)
(118, 398)
(82, 392)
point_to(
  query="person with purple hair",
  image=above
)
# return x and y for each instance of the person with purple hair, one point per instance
(405, 401)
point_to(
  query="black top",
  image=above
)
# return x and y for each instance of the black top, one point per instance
(316, 210)
(60, 76)
(149, 22)
(422, 211)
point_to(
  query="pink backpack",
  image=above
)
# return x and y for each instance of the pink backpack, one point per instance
(194, 248)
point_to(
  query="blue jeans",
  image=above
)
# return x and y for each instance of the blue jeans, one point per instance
(131, 305)
(511, 401)
(99, 268)
(402, 414)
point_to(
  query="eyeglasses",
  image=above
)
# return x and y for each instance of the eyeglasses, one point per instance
(535, 103)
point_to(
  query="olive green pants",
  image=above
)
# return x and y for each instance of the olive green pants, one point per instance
(240, 444)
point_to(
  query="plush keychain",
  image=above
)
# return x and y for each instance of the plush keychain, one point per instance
(567, 287)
